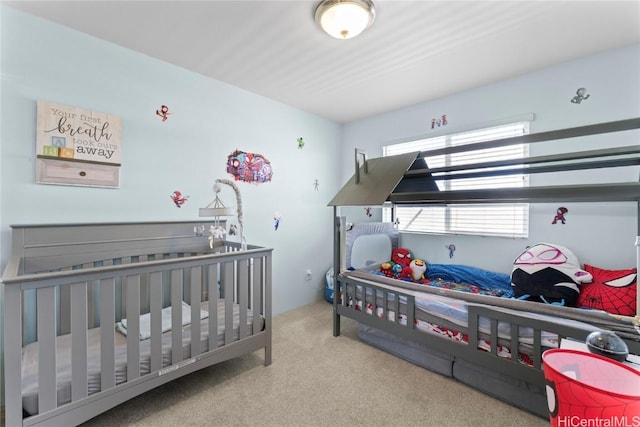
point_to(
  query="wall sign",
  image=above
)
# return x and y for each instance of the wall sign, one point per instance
(77, 147)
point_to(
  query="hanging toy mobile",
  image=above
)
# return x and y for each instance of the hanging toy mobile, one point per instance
(217, 209)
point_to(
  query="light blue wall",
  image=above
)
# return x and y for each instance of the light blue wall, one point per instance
(598, 233)
(188, 152)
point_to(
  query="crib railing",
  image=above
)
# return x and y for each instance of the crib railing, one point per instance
(44, 306)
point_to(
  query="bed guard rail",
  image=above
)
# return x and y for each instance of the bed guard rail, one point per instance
(394, 310)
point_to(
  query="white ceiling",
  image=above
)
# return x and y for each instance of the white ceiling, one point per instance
(415, 51)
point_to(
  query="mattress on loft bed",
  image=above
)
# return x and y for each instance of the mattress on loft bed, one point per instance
(63, 356)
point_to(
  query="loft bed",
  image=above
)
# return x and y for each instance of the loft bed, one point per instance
(96, 314)
(492, 344)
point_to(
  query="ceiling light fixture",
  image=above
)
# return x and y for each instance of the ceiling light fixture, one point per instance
(345, 19)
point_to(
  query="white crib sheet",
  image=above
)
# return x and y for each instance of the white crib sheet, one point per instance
(63, 357)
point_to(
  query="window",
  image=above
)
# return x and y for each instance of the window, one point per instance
(508, 220)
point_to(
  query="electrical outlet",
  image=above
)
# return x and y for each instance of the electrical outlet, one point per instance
(307, 275)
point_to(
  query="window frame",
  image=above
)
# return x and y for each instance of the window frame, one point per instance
(518, 213)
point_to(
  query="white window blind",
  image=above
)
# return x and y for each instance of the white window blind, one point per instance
(509, 220)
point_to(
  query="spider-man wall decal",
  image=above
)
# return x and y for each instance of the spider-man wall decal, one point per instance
(560, 215)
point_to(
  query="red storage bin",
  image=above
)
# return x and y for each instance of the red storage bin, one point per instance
(589, 389)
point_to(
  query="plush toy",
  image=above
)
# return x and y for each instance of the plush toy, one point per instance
(397, 270)
(402, 257)
(406, 273)
(418, 267)
(386, 268)
(548, 273)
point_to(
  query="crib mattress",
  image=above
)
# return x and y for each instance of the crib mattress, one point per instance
(63, 356)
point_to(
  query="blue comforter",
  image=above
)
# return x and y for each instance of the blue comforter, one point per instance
(484, 279)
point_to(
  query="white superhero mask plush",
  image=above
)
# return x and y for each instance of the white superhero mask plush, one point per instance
(545, 255)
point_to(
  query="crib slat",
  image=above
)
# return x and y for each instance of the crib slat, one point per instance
(176, 316)
(107, 333)
(196, 284)
(155, 290)
(79, 341)
(213, 306)
(47, 399)
(13, 355)
(133, 327)
(243, 280)
(227, 282)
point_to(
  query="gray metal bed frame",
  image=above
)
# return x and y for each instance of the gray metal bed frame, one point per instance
(71, 278)
(394, 179)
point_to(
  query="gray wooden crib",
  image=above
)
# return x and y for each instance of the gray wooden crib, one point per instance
(96, 314)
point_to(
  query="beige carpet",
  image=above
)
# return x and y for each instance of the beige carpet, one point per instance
(315, 380)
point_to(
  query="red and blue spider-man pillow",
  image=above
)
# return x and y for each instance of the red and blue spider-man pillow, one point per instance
(613, 291)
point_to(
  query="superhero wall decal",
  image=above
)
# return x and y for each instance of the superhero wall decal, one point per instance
(249, 167)
(178, 198)
(163, 112)
(580, 96)
(560, 215)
